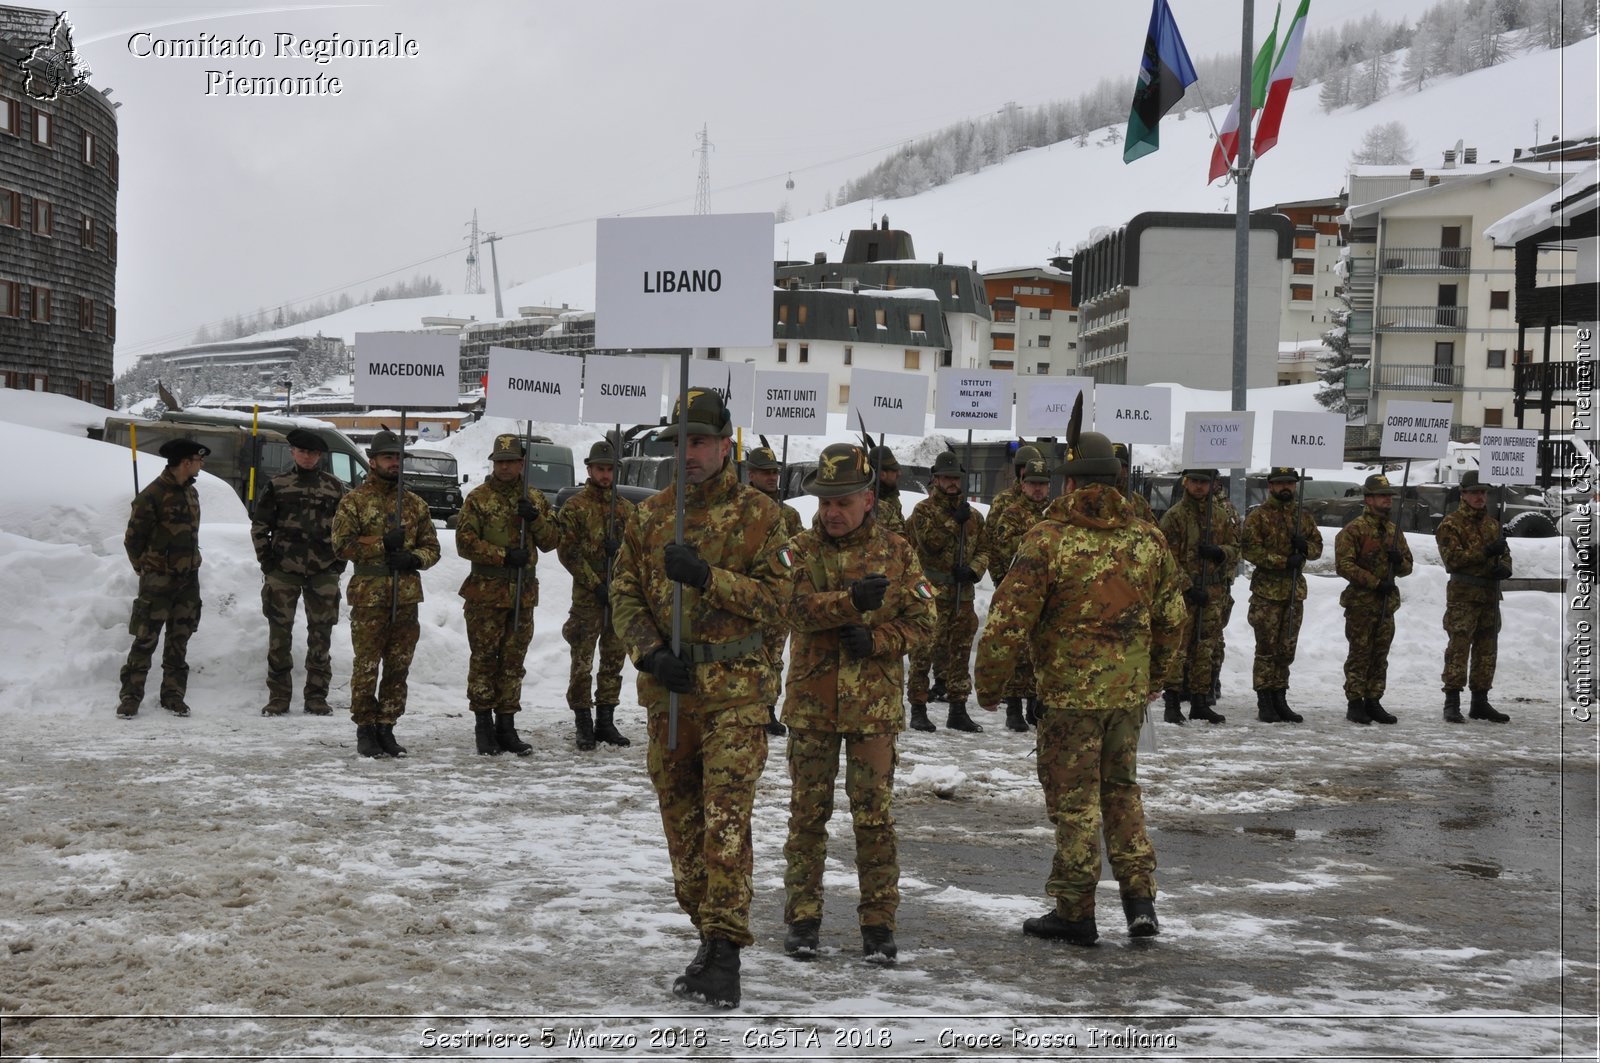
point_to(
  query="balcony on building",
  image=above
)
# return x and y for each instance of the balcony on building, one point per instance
(1417, 260)
(1424, 376)
(1420, 319)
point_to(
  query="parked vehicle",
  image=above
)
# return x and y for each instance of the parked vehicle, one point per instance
(433, 475)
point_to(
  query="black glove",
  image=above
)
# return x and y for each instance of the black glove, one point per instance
(517, 557)
(856, 640)
(964, 574)
(1296, 561)
(1501, 571)
(393, 539)
(402, 561)
(684, 565)
(527, 510)
(611, 547)
(1387, 587)
(673, 673)
(1212, 552)
(1496, 548)
(1297, 544)
(274, 559)
(962, 512)
(602, 592)
(1196, 596)
(867, 593)
(1395, 557)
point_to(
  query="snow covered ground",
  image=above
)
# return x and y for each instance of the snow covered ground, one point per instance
(234, 885)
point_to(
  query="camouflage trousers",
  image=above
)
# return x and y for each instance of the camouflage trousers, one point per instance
(498, 661)
(870, 761)
(586, 625)
(1473, 630)
(1277, 628)
(948, 653)
(773, 642)
(161, 604)
(1202, 656)
(279, 599)
(707, 788)
(1369, 628)
(1089, 770)
(374, 641)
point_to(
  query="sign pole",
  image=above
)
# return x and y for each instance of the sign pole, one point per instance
(399, 523)
(255, 457)
(522, 528)
(783, 471)
(680, 481)
(611, 519)
(133, 452)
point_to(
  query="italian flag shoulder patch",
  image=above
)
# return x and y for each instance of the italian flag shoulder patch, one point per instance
(924, 590)
(786, 557)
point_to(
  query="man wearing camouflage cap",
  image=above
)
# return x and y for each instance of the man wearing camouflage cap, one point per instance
(763, 470)
(1370, 554)
(886, 511)
(388, 551)
(502, 522)
(950, 541)
(860, 603)
(592, 524)
(734, 578)
(1475, 553)
(163, 545)
(1012, 494)
(1005, 532)
(1098, 596)
(291, 528)
(1205, 542)
(1279, 538)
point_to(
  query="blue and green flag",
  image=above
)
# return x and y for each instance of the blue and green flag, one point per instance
(1164, 72)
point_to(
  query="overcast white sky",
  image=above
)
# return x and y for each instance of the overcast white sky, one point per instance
(544, 115)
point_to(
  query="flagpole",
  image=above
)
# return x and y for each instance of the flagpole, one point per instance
(1241, 245)
(1205, 107)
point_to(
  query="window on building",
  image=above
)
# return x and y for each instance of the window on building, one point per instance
(974, 327)
(844, 394)
(42, 128)
(879, 318)
(1500, 300)
(88, 147)
(1522, 357)
(890, 282)
(850, 316)
(37, 304)
(1497, 358)
(111, 322)
(1072, 345)
(1300, 293)
(1494, 418)
(10, 116)
(85, 314)
(946, 358)
(1072, 317)
(913, 359)
(43, 217)
(114, 165)
(1044, 314)
(849, 355)
(1304, 267)
(1043, 368)
(783, 352)
(713, 354)
(10, 299)
(954, 289)
(805, 352)
(10, 208)
(914, 322)
(800, 311)
(1044, 341)
(783, 313)
(88, 232)
(1305, 241)
(111, 243)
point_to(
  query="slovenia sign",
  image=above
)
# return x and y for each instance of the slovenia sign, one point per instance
(618, 389)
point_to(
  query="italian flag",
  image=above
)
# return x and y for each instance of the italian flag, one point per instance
(1227, 146)
(1282, 81)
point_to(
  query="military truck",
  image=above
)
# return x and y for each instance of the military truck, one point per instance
(433, 475)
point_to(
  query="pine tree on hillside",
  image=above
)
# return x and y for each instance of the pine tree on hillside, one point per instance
(1334, 366)
(1387, 144)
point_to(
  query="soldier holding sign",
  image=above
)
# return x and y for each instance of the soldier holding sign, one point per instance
(950, 541)
(1279, 538)
(1475, 553)
(1205, 541)
(1370, 553)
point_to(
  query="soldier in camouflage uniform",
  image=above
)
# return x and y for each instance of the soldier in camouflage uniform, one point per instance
(886, 511)
(1097, 595)
(1005, 532)
(860, 602)
(1370, 555)
(1279, 538)
(592, 522)
(501, 523)
(1475, 553)
(292, 530)
(1139, 503)
(950, 541)
(1011, 494)
(1205, 542)
(763, 470)
(365, 532)
(163, 545)
(732, 572)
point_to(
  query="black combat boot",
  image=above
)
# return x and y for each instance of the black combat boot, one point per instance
(317, 705)
(175, 705)
(919, 717)
(877, 944)
(938, 691)
(1014, 720)
(697, 964)
(127, 708)
(1030, 711)
(717, 981)
(605, 726)
(1051, 925)
(775, 728)
(1266, 707)
(1173, 702)
(505, 732)
(367, 743)
(483, 734)
(1356, 711)
(1200, 709)
(277, 705)
(584, 724)
(1281, 697)
(386, 740)
(1141, 913)
(1378, 713)
(801, 941)
(1452, 707)
(958, 720)
(1482, 710)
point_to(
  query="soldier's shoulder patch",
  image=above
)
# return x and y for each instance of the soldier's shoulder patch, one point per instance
(923, 590)
(786, 557)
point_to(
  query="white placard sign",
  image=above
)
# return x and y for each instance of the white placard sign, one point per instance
(791, 404)
(1130, 414)
(1307, 440)
(533, 386)
(618, 389)
(974, 398)
(1508, 456)
(1218, 440)
(407, 370)
(1415, 430)
(1044, 404)
(887, 401)
(734, 381)
(698, 280)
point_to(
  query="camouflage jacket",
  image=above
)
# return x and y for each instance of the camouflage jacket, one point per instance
(487, 528)
(739, 532)
(1097, 597)
(1461, 537)
(933, 532)
(1182, 525)
(1361, 556)
(887, 512)
(292, 525)
(792, 524)
(1141, 507)
(584, 520)
(163, 536)
(1007, 530)
(1265, 544)
(363, 516)
(1003, 501)
(827, 689)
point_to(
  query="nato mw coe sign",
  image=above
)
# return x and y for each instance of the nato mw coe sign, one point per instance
(1218, 440)
(407, 370)
(700, 280)
(1415, 430)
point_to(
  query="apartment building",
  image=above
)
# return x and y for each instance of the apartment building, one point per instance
(1035, 329)
(1310, 295)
